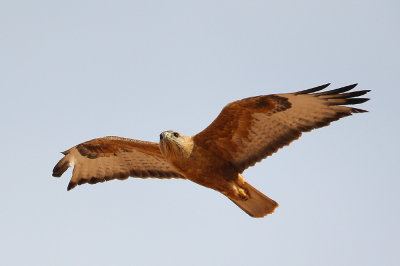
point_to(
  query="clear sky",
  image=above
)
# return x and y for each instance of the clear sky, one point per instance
(71, 71)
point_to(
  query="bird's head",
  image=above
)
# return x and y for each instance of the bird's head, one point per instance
(174, 144)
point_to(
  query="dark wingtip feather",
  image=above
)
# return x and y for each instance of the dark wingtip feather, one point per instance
(315, 89)
(356, 110)
(353, 94)
(65, 152)
(356, 100)
(71, 185)
(60, 167)
(339, 90)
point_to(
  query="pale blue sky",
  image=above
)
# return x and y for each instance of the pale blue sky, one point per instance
(71, 71)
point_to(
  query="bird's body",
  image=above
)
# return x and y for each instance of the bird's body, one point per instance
(245, 132)
(195, 163)
(200, 166)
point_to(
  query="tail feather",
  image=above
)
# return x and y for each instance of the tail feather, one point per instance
(257, 205)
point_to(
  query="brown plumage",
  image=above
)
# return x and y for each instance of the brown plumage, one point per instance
(245, 132)
(110, 158)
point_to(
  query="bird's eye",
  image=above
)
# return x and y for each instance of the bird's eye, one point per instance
(176, 134)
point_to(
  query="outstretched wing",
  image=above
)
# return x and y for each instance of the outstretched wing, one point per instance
(248, 130)
(109, 158)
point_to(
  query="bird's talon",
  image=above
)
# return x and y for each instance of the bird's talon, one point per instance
(242, 194)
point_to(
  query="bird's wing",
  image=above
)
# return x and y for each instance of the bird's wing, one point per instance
(109, 158)
(248, 130)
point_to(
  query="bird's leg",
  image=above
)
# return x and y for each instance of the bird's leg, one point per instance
(235, 189)
(241, 180)
(242, 193)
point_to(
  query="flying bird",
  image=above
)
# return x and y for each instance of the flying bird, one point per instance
(244, 133)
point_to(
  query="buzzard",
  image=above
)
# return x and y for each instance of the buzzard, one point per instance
(244, 133)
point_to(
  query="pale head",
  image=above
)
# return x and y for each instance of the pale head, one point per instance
(174, 144)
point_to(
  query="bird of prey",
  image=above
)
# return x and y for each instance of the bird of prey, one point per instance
(244, 133)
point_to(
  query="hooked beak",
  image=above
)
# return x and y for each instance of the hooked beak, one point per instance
(165, 135)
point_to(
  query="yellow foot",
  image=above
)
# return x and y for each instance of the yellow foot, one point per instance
(242, 194)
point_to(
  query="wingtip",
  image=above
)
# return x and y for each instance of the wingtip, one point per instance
(71, 185)
(323, 86)
(326, 85)
(315, 89)
(357, 110)
(60, 167)
(353, 85)
(55, 174)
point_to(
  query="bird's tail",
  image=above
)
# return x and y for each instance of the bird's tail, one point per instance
(257, 205)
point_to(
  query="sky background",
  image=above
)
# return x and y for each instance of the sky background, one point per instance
(71, 71)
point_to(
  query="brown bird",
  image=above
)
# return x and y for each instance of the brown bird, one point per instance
(244, 133)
